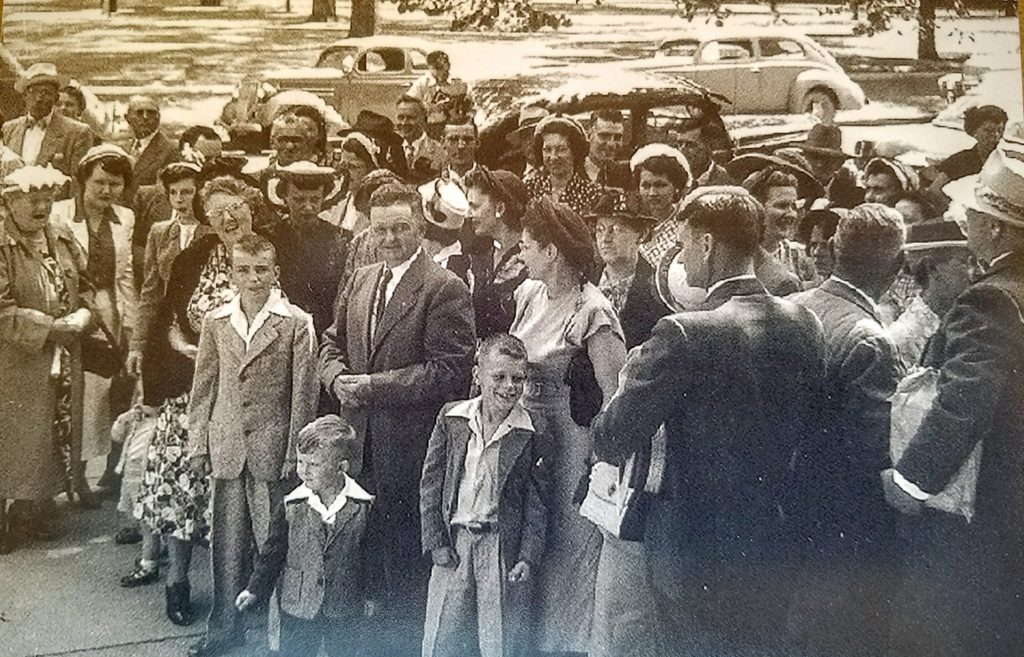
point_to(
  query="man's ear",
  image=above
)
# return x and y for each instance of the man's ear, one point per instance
(499, 209)
(277, 272)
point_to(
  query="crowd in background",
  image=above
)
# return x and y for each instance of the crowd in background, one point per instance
(659, 402)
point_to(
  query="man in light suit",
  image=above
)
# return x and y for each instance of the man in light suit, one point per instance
(149, 146)
(400, 347)
(424, 155)
(254, 390)
(841, 608)
(43, 136)
(979, 354)
(734, 383)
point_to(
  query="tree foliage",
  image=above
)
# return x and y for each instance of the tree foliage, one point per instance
(496, 15)
(870, 16)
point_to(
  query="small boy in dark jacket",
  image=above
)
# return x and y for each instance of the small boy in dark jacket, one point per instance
(483, 512)
(315, 552)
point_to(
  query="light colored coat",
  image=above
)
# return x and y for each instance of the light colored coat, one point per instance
(118, 312)
(28, 466)
(248, 405)
(64, 142)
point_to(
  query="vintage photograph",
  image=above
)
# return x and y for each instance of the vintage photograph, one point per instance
(511, 328)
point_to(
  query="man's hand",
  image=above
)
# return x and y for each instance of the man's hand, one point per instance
(898, 498)
(245, 600)
(519, 573)
(352, 390)
(444, 557)
(200, 464)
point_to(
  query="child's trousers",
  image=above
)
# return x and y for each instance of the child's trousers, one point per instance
(302, 638)
(476, 589)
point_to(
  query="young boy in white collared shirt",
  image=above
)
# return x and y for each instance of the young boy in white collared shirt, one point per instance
(254, 389)
(483, 511)
(316, 553)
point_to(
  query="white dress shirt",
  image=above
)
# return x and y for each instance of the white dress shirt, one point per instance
(397, 273)
(275, 304)
(139, 146)
(33, 140)
(328, 513)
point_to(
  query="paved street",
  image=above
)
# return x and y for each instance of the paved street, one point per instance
(63, 598)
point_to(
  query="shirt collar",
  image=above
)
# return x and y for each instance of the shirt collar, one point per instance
(518, 417)
(399, 270)
(275, 304)
(352, 490)
(79, 217)
(143, 142)
(999, 258)
(859, 292)
(731, 279)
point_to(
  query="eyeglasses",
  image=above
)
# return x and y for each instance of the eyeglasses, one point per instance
(236, 210)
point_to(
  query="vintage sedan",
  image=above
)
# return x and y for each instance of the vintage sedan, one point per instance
(762, 70)
(352, 75)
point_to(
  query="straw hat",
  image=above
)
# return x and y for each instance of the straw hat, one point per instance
(997, 191)
(38, 73)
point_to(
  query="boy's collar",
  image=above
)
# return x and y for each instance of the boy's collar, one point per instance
(518, 417)
(275, 304)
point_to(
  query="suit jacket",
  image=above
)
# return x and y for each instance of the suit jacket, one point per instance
(318, 568)
(248, 405)
(119, 311)
(64, 142)
(162, 247)
(160, 152)
(522, 485)
(734, 384)
(775, 276)
(643, 307)
(861, 374)
(979, 350)
(420, 357)
(428, 158)
(150, 206)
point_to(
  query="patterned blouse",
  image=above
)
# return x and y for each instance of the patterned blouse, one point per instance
(580, 194)
(214, 289)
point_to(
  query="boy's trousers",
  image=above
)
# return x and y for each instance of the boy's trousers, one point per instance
(476, 589)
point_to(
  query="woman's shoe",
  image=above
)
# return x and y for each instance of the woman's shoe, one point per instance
(179, 603)
(140, 577)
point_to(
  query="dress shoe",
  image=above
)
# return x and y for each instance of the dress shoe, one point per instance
(179, 603)
(140, 577)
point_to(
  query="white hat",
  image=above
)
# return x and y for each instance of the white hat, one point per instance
(445, 204)
(104, 150)
(32, 177)
(38, 72)
(998, 190)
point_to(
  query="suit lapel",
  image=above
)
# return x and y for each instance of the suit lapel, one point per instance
(264, 337)
(362, 306)
(843, 292)
(17, 139)
(401, 301)
(345, 516)
(52, 139)
(509, 450)
(457, 460)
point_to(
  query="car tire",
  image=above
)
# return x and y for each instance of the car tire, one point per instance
(821, 95)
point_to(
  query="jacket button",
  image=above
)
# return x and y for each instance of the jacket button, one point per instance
(247, 432)
(241, 377)
(246, 404)
(320, 580)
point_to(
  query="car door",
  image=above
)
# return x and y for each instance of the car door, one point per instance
(377, 79)
(740, 57)
(721, 62)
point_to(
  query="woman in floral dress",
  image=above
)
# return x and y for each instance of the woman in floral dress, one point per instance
(560, 148)
(173, 501)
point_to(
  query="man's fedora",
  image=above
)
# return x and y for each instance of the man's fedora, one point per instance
(824, 141)
(997, 191)
(40, 72)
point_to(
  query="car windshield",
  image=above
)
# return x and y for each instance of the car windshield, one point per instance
(724, 51)
(341, 57)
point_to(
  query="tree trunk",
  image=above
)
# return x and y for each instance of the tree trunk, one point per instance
(363, 21)
(926, 31)
(324, 10)
(109, 7)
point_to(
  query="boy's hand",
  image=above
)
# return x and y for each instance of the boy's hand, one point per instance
(200, 464)
(519, 573)
(444, 557)
(245, 600)
(370, 608)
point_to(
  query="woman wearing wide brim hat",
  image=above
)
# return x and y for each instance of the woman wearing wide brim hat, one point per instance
(742, 167)
(560, 149)
(823, 149)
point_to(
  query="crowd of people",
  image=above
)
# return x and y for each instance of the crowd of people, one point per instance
(655, 402)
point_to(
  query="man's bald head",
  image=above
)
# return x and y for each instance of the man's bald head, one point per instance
(143, 115)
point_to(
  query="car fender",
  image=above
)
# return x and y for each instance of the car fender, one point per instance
(811, 78)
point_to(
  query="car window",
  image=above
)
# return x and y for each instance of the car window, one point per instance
(343, 58)
(418, 59)
(382, 60)
(682, 48)
(723, 51)
(782, 49)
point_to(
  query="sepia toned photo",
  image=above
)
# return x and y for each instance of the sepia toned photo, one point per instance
(511, 328)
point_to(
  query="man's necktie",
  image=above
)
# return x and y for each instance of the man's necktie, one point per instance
(409, 152)
(381, 300)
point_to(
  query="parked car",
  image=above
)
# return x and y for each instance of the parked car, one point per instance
(656, 110)
(762, 70)
(352, 75)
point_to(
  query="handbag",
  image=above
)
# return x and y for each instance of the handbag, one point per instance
(105, 357)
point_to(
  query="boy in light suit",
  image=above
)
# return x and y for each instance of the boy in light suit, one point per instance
(317, 538)
(483, 510)
(255, 388)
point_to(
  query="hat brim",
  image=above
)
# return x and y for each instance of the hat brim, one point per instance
(744, 165)
(22, 84)
(962, 192)
(819, 151)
